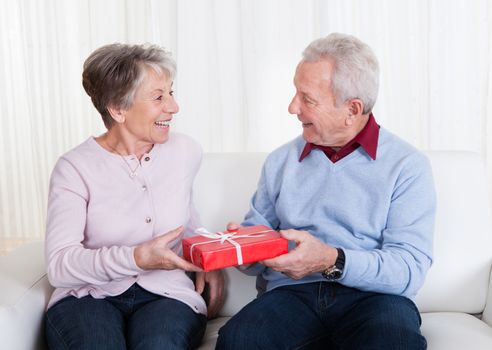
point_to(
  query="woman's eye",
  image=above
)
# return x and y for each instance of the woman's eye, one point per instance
(171, 93)
(159, 97)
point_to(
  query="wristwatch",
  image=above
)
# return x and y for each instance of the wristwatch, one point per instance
(334, 272)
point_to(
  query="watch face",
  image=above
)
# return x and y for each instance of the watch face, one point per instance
(332, 274)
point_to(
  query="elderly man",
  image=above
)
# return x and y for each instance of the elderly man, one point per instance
(357, 204)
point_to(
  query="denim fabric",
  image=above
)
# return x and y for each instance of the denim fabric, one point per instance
(136, 319)
(324, 315)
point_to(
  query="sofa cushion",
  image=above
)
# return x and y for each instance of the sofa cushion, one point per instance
(212, 332)
(455, 331)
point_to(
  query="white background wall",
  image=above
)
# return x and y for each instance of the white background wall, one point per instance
(236, 60)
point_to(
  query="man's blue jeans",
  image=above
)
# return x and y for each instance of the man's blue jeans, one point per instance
(136, 319)
(324, 315)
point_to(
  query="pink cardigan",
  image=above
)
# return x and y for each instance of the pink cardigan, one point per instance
(97, 214)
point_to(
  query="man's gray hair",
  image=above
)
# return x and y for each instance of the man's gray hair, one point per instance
(356, 70)
(113, 73)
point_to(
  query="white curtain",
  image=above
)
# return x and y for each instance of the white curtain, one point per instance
(236, 60)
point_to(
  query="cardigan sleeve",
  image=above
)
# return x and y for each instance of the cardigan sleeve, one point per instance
(69, 263)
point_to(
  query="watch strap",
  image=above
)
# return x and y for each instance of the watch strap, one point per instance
(335, 272)
(340, 262)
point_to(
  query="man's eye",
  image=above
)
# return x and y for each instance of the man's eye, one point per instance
(159, 97)
(171, 93)
(308, 100)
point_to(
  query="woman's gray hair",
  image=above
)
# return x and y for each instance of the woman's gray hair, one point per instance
(356, 71)
(113, 73)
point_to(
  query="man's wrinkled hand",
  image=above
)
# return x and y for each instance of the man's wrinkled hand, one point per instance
(309, 256)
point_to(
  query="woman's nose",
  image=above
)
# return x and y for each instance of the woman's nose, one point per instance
(172, 106)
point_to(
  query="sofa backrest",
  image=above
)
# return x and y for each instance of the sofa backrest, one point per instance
(458, 279)
(222, 191)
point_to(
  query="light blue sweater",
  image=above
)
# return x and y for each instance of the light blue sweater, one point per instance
(380, 212)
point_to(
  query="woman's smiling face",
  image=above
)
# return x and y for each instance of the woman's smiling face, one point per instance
(149, 118)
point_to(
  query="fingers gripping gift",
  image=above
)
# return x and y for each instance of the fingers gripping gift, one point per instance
(212, 251)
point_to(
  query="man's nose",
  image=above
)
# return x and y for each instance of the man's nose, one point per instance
(294, 106)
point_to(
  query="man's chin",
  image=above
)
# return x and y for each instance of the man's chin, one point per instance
(308, 137)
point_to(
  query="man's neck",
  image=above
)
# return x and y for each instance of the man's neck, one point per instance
(355, 129)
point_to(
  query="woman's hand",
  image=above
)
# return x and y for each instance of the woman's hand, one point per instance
(215, 282)
(156, 254)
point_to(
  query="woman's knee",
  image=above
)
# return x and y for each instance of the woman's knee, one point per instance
(165, 324)
(81, 324)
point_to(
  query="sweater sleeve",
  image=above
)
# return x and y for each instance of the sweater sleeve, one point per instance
(69, 263)
(400, 264)
(261, 212)
(262, 206)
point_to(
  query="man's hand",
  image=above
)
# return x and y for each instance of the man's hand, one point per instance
(215, 282)
(157, 254)
(232, 226)
(310, 256)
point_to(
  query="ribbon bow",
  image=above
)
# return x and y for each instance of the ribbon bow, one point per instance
(225, 236)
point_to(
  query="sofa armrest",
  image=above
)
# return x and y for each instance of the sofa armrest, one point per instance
(487, 313)
(24, 293)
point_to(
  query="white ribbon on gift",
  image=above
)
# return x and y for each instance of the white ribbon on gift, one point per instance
(225, 236)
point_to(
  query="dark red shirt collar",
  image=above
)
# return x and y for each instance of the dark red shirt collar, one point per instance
(367, 138)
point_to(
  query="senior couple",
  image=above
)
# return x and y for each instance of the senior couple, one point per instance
(355, 201)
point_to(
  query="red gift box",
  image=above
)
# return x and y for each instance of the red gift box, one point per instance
(243, 246)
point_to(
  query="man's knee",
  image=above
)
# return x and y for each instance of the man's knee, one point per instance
(388, 322)
(400, 326)
(231, 335)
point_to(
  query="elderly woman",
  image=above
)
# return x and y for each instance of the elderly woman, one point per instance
(118, 207)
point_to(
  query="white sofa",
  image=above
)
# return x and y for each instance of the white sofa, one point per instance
(456, 300)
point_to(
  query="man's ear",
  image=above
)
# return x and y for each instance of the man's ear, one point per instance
(355, 108)
(117, 113)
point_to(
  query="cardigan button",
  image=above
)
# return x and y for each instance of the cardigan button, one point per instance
(148, 219)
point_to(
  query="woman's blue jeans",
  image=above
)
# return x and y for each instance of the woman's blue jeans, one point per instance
(324, 315)
(136, 319)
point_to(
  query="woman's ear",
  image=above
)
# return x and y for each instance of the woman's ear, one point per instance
(117, 113)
